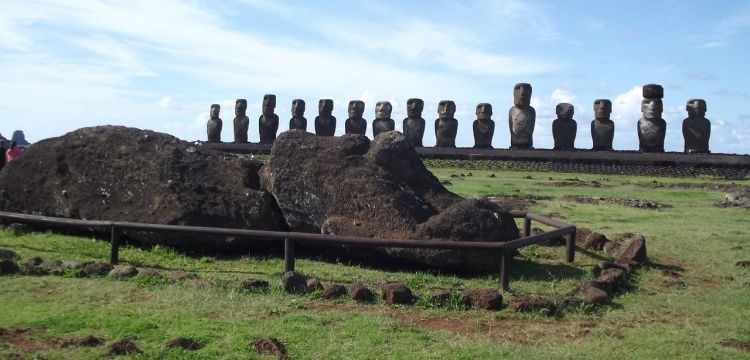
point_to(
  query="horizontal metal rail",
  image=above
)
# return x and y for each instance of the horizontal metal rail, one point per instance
(504, 249)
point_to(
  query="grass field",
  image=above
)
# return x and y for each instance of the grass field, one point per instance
(703, 314)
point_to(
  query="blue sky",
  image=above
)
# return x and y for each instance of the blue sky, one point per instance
(160, 64)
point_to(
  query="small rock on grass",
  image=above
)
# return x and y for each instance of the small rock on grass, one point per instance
(124, 347)
(86, 341)
(592, 295)
(634, 251)
(294, 283)
(6, 254)
(269, 347)
(147, 272)
(397, 293)
(178, 276)
(439, 297)
(8, 267)
(314, 284)
(334, 291)
(184, 343)
(360, 292)
(488, 299)
(254, 284)
(532, 304)
(742, 263)
(94, 269)
(124, 271)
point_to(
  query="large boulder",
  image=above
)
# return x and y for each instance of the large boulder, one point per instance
(349, 186)
(126, 174)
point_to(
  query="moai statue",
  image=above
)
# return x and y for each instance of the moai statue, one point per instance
(325, 122)
(214, 124)
(414, 123)
(383, 122)
(484, 127)
(356, 124)
(241, 121)
(268, 122)
(298, 121)
(521, 118)
(564, 128)
(696, 129)
(651, 127)
(602, 128)
(446, 126)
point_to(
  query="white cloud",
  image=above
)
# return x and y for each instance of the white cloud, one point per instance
(11, 36)
(165, 102)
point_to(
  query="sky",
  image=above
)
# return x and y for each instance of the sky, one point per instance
(160, 65)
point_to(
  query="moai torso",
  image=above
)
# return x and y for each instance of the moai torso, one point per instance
(214, 125)
(356, 124)
(241, 121)
(521, 118)
(696, 129)
(651, 127)
(484, 127)
(446, 126)
(298, 123)
(268, 122)
(414, 123)
(564, 128)
(602, 134)
(383, 122)
(325, 123)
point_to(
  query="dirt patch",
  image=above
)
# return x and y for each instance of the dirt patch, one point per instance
(184, 343)
(86, 341)
(269, 347)
(23, 341)
(624, 201)
(517, 202)
(736, 344)
(576, 182)
(124, 347)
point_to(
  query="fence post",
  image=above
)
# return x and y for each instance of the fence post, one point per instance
(115, 241)
(526, 226)
(570, 246)
(505, 269)
(288, 255)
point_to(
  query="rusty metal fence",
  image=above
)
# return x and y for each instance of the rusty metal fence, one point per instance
(504, 250)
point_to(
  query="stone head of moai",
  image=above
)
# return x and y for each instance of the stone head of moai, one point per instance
(325, 107)
(383, 110)
(653, 91)
(484, 112)
(522, 94)
(356, 108)
(652, 109)
(696, 108)
(215, 108)
(240, 107)
(298, 108)
(414, 108)
(564, 111)
(269, 104)
(446, 109)
(602, 109)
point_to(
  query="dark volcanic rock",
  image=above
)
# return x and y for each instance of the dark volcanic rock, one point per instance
(8, 254)
(592, 295)
(127, 174)
(294, 283)
(314, 284)
(488, 299)
(333, 291)
(532, 304)
(184, 343)
(8, 267)
(270, 347)
(397, 293)
(349, 186)
(124, 347)
(254, 284)
(635, 250)
(124, 271)
(360, 292)
(439, 297)
(94, 269)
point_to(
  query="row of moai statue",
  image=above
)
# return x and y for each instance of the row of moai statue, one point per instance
(652, 128)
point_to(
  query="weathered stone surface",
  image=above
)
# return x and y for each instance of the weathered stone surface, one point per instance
(446, 126)
(270, 347)
(16, 229)
(126, 174)
(484, 127)
(696, 129)
(298, 121)
(602, 128)
(594, 240)
(356, 124)
(57, 271)
(522, 118)
(653, 91)
(325, 123)
(268, 122)
(75, 265)
(8, 266)
(488, 299)
(51, 264)
(215, 124)
(184, 343)
(179, 276)
(241, 121)
(33, 261)
(593, 295)
(742, 263)
(314, 284)
(439, 297)
(414, 124)
(334, 291)
(124, 271)
(349, 186)
(294, 283)
(652, 129)
(564, 128)
(397, 293)
(383, 122)
(612, 248)
(635, 250)
(532, 304)
(6, 254)
(617, 278)
(254, 284)
(148, 272)
(94, 269)
(360, 292)
(124, 347)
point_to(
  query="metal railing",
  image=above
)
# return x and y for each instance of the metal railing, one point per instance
(504, 249)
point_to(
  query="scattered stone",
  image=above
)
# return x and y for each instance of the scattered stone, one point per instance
(532, 304)
(492, 176)
(488, 299)
(184, 343)
(599, 284)
(75, 264)
(178, 276)
(604, 265)
(294, 283)
(34, 270)
(612, 248)
(270, 347)
(615, 276)
(124, 347)
(439, 297)
(360, 292)
(6, 254)
(33, 261)
(314, 284)
(86, 341)
(635, 250)
(397, 293)
(94, 269)
(148, 272)
(8, 267)
(334, 291)
(254, 284)
(570, 302)
(51, 264)
(57, 271)
(742, 263)
(593, 295)
(17, 229)
(124, 271)
(594, 240)
(199, 283)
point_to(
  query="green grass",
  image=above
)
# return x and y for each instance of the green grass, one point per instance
(654, 320)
